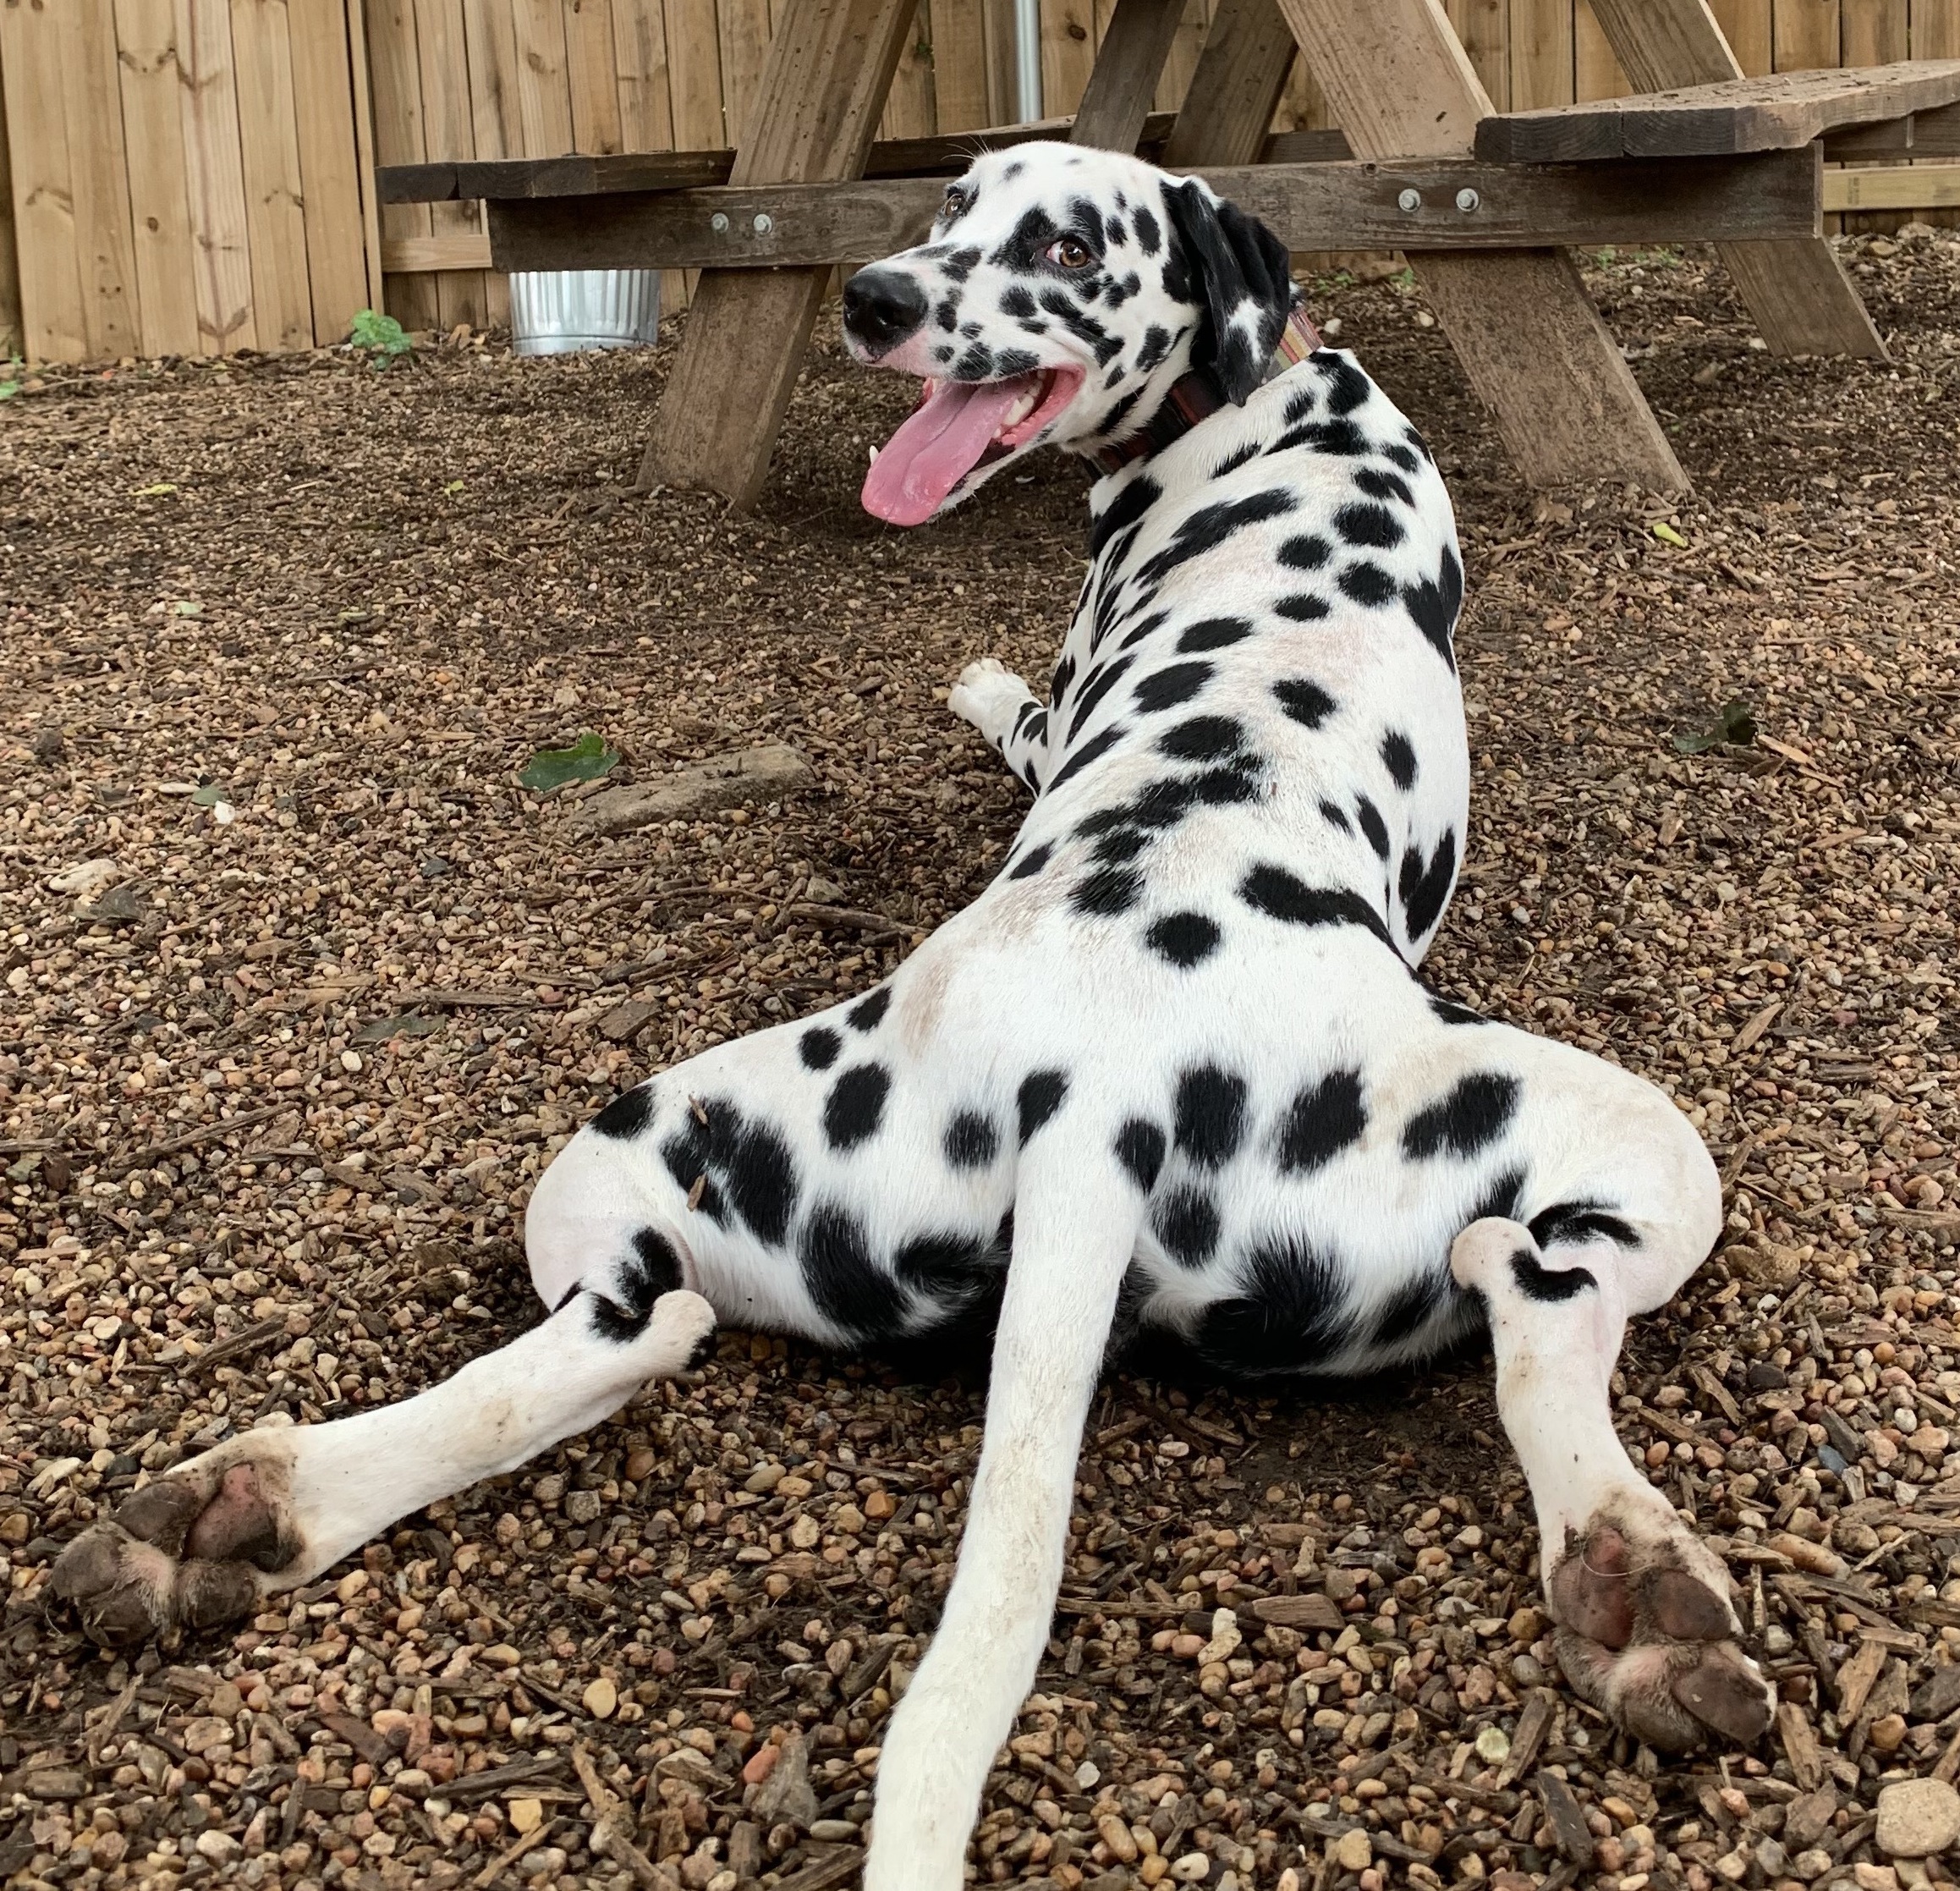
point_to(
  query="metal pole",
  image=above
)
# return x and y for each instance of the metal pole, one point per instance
(1028, 59)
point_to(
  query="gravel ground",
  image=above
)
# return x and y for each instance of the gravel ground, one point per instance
(274, 1084)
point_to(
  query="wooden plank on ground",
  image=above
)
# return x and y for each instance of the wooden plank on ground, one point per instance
(1802, 302)
(1774, 113)
(1529, 340)
(1345, 205)
(1124, 80)
(219, 225)
(44, 225)
(99, 175)
(395, 79)
(159, 193)
(269, 160)
(823, 88)
(329, 173)
(1236, 89)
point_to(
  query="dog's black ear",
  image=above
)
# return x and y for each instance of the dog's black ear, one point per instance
(1241, 278)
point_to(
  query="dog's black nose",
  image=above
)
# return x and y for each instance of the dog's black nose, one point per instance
(882, 307)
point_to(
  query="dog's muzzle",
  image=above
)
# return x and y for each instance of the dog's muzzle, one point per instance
(881, 307)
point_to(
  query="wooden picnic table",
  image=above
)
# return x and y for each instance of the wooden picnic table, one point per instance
(1487, 206)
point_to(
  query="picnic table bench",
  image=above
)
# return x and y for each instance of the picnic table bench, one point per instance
(1487, 206)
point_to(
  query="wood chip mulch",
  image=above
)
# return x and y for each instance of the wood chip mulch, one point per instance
(276, 1077)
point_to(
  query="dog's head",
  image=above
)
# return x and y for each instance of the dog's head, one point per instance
(1061, 294)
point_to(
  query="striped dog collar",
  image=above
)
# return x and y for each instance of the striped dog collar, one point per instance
(1196, 397)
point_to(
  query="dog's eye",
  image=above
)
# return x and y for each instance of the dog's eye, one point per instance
(1070, 253)
(956, 203)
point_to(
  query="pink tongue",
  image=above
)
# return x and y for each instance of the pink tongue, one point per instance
(937, 447)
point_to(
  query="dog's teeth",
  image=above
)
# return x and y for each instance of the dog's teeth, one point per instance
(874, 456)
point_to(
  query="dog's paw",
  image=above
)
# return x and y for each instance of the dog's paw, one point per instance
(1646, 1633)
(192, 1550)
(989, 696)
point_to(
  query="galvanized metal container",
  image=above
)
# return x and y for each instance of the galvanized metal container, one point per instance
(561, 311)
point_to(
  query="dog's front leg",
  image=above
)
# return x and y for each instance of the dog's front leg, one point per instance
(1005, 712)
(1073, 1240)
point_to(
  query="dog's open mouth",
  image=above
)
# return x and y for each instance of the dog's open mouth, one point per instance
(958, 425)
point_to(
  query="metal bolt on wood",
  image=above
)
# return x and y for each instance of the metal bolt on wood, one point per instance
(764, 223)
(1467, 201)
(719, 222)
(1409, 201)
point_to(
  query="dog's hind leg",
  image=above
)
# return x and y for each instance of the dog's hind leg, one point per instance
(1073, 1240)
(1645, 1629)
(270, 1509)
(1004, 710)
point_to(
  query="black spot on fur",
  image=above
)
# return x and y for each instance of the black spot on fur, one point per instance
(1305, 701)
(1186, 1221)
(1091, 750)
(1367, 583)
(1150, 235)
(1165, 689)
(1015, 300)
(1100, 682)
(1202, 738)
(1373, 526)
(1125, 509)
(1281, 895)
(1372, 824)
(847, 1285)
(1288, 1315)
(818, 1048)
(1213, 633)
(856, 1105)
(760, 1174)
(1472, 1117)
(1239, 456)
(1321, 1121)
(1307, 552)
(1379, 484)
(1040, 1096)
(1582, 1221)
(1452, 1012)
(1031, 862)
(1301, 607)
(1210, 526)
(972, 1141)
(869, 1012)
(1398, 757)
(653, 1269)
(1401, 456)
(1347, 387)
(1548, 1286)
(1210, 1115)
(1502, 1199)
(1434, 604)
(1139, 1147)
(1335, 817)
(1108, 891)
(1186, 939)
(1220, 787)
(1424, 889)
(1412, 1308)
(1120, 845)
(693, 1150)
(627, 1114)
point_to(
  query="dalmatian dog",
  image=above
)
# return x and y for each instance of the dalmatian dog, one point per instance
(1172, 1074)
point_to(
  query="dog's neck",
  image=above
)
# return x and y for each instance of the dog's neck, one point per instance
(1197, 396)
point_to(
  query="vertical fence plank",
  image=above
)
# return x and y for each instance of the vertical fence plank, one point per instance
(1934, 27)
(1067, 54)
(269, 156)
(495, 115)
(959, 63)
(449, 131)
(99, 175)
(1596, 73)
(13, 339)
(1805, 34)
(742, 28)
(397, 86)
(1485, 27)
(1745, 25)
(544, 95)
(1872, 33)
(909, 107)
(645, 103)
(1003, 54)
(330, 180)
(159, 190)
(51, 284)
(355, 13)
(215, 177)
(591, 66)
(1181, 61)
(1541, 53)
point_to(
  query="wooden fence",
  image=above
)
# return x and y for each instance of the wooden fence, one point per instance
(194, 176)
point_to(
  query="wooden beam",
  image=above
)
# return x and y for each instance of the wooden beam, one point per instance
(1934, 134)
(1343, 205)
(1530, 341)
(410, 256)
(1128, 65)
(1242, 73)
(1802, 301)
(1907, 187)
(821, 89)
(1771, 113)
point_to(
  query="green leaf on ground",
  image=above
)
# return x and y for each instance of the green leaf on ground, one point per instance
(155, 491)
(409, 1024)
(1734, 725)
(381, 336)
(207, 795)
(1667, 535)
(586, 759)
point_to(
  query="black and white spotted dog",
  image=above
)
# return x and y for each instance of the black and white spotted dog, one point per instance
(1173, 1073)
